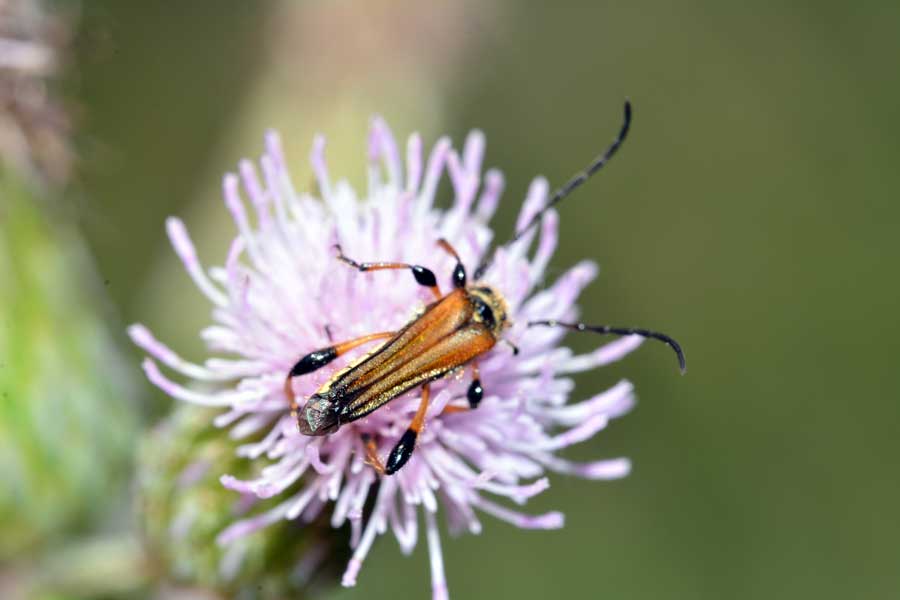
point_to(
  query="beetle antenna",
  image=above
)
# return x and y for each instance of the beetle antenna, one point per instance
(606, 329)
(574, 183)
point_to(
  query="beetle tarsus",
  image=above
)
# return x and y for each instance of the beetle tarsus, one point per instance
(372, 458)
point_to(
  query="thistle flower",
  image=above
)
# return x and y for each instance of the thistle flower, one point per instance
(282, 294)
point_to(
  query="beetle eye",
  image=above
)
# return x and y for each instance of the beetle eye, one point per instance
(485, 313)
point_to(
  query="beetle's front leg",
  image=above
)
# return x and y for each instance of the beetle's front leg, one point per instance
(319, 358)
(424, 276)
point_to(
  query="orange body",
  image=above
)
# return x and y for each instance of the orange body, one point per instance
(451, 332)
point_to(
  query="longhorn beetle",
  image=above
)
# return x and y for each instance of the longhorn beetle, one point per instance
(452, 332)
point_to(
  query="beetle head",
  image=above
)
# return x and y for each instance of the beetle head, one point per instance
(490, 309)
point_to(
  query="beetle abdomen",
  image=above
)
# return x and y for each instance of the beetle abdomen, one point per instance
(320, 416)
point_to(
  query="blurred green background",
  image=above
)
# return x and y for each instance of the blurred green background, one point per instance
(752, 214)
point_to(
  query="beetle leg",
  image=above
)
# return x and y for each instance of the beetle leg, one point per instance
(459, 272)
(372, 454)
(513, 347)
(407, 442)
(423, 276)
(474, 394)
(321, 357)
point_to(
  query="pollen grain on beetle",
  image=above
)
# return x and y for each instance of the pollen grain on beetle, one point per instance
(282, 293)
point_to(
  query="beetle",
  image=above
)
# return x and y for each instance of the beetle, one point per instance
(452, 332)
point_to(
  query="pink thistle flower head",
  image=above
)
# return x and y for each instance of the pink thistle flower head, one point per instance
(281, 295)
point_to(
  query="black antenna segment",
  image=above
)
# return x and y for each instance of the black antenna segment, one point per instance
(608, 329)
(570, 186)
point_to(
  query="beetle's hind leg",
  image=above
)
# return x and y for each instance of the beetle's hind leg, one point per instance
(319, 358)
(404, 447)
(372, 458)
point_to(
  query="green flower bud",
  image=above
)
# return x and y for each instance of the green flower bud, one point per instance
(182, 508)
(66, 412)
